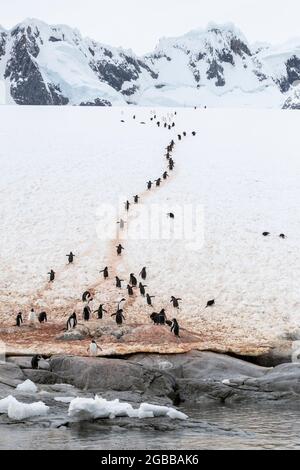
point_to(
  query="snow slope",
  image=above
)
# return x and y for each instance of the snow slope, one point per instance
(69, 164)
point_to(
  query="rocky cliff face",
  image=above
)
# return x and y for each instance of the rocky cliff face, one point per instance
(42, 64)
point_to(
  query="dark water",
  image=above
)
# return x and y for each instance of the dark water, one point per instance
(208, 428)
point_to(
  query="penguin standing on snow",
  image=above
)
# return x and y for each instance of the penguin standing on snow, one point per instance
(86, 313)
(210, 303)
(32, 316)
(143, 273)
(174, 300)
(119, 316)
(70, 257)
(133, 280)
(93, 348)
(72, 321)
(119, 282)
(142, 289)
(171, 215)
(100, 310)
(42, 317)
(86, 296)
(179, 137)
(162, 317)
(105, 272)
(127, 205)
(165, 175)
(119, 249)
(136, 199)
(158, 181)
(19, 319)
(148, 298)
(130, 290)
(175, 327)
(52, 275)
(121, 223)
(149, 185)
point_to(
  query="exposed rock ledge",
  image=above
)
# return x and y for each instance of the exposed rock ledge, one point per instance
(191, 378)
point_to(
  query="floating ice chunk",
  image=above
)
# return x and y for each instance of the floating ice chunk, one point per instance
(161, 411)
(18, 411)
(27, 387)
(94, 408)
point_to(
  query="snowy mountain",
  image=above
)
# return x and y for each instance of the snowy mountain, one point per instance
(43, 64)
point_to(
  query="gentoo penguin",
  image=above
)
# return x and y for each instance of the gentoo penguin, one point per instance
(72, 321)
(70, 257)
(93, 348)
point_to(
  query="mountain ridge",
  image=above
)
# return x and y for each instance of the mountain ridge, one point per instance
(42, 64)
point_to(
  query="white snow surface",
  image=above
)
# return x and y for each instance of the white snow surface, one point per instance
(60, 165)
(27, 387)
(95, 408)
(18, 411)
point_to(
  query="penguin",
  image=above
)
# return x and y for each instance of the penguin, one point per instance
(93, 348)
(127, 205)
(122, 120)
(143, 273)
(184, 134)
(158, 181)
(100, 310)
(266, 234)
(149, 185)
(162, 317)
(42, 317)
(133, 116)
(169, 127)
(165, 125)
(136, 199)
(119, 249)
(174, 300)
(32, 316)
(155, 318)
(171, 215)
(175, 327)
(86, 313)
(19, 319)
(179, 137)
(86, 296)
(173, 124)
(35, 361)
(148, 298)
(133, 280)
(70, 257)
(158, 124)
(119, 316)
(171, 165)
(129, 290)
(121, 223)
(165, 175)
(72, 321)
(105, 272)
(52, 275)
(210, 303)
(119, 282)
(282, 235)
(194, 133)
(167, 155)
(142, 289)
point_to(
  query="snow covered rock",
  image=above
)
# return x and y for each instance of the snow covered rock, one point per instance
(293, 101)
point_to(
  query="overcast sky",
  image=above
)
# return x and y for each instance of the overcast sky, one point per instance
(138, 24)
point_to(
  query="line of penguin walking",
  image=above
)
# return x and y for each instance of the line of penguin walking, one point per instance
(158, 318)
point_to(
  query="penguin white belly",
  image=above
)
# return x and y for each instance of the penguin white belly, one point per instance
(31, 317)
(93, 349)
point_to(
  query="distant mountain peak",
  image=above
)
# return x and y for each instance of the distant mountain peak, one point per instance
(53, 64)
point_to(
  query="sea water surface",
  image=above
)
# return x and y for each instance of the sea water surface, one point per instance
(221, 427)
